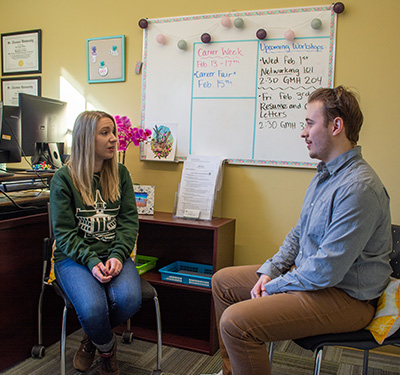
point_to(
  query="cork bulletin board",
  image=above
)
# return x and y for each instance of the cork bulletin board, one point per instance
(106, 59)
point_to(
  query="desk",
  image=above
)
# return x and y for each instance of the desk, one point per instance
(21, 241)
(21, 175)
(22, 231)
(31, 201)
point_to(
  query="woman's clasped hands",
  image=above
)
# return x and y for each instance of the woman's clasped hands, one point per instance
(105, 272)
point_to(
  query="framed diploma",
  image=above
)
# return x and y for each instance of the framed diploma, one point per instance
(106, 59)
(21, 52)
(11, 87)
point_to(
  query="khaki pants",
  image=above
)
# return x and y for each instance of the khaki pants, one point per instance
(245, 325)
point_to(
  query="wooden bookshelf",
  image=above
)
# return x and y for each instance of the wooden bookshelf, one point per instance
(187, 312)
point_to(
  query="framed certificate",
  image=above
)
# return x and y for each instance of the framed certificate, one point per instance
(11, 87)
(21, 52)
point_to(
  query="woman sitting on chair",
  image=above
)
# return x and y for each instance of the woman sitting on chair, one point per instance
(95, 223)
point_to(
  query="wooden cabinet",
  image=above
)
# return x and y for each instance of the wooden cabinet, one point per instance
(187, 312)
(21, 241)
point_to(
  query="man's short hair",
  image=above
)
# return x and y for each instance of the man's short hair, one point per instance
(341, 102)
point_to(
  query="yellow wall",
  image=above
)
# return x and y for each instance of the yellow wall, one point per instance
(265, 201)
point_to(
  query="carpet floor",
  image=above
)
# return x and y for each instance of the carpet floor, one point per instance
(139, 358)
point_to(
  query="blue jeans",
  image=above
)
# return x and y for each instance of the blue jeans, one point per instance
(100, 307)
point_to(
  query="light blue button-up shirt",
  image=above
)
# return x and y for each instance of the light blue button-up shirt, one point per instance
(343, 236)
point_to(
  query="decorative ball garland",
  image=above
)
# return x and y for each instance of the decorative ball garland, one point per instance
(239, 23)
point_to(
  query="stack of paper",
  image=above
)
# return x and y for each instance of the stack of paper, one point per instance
(201, 180)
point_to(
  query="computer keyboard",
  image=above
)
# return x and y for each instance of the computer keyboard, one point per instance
(40, 170)
(34, 183)
(6, 174)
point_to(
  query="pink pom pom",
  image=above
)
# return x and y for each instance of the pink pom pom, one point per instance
(160, 38)
(289, 35)
(226, 21)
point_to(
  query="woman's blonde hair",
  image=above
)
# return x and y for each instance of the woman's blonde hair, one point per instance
(81, 163)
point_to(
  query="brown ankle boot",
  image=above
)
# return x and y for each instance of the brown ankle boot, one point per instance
(84, 357)
(108, 362)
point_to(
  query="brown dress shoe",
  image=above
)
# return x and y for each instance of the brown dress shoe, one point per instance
(84, 357)
(108, 362)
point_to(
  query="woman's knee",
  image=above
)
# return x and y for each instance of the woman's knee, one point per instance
(93, 310)
(126, 299)
(133, 303)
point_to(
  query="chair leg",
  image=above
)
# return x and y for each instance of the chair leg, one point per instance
(365, 363)
(318, 361)
(271, 352)
(40, 336)
(38, 350)
(63, 340)
(127, 335)
(159, 339)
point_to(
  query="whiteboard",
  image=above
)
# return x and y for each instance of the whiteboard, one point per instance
(238, 97)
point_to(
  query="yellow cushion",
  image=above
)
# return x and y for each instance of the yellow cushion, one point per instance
(386, 320)
(52, 275)
(134, 251)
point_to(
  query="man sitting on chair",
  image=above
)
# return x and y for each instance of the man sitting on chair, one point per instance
(331, 268)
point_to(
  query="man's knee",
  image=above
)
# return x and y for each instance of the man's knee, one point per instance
(217, 278)
(223, 278)
(231, 322)
(220, 281)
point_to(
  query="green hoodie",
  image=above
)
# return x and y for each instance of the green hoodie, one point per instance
(86, 233)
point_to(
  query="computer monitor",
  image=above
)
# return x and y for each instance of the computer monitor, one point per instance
(10, 138)
(44, 128)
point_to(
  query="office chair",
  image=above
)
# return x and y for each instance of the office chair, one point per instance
(38, 350)
(362, 339)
